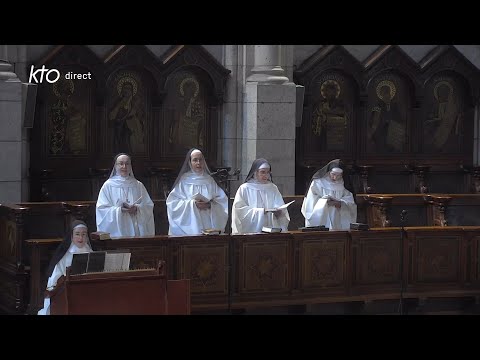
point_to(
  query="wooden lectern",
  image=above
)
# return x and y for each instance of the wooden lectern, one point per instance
(133, 292)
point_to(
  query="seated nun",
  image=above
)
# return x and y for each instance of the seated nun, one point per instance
(254, 197)
(124, 207)
(196, 202)
(75, 241)
(330, 199)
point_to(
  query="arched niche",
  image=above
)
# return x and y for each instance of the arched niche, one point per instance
(451, 87)
(62, 142)
(128, 113)
(186, 112)
(388, 115)
(444, 114)
(192, 86)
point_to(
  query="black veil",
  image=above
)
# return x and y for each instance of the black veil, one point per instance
(130, 167)
(63, 247)
(255, 166)
(336, 163)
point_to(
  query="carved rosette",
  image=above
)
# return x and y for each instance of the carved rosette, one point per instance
(265, 267)
(205, 271)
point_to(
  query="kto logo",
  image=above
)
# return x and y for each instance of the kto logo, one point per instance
(51, 75)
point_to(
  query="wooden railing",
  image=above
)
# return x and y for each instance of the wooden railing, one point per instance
(44, 220)
(264, 270)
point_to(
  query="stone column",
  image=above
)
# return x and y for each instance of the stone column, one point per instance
(269, 118)
(10, 134)
(230, 143)
(21, 63)
(267, 66)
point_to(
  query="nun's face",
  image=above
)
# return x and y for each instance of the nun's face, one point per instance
(80, 236)
(123, 165)
(263, 175)
(335, 176)
(197, 161)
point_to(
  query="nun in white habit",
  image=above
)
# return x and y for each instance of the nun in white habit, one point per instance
(257, 194)
(330, 199)
(189, 214)
(124, 207)
(75, 241)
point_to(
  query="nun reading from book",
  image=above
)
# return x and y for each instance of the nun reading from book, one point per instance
(124, 207)
(196, 203)
(330, 199)
(257, 201)
(75, 241)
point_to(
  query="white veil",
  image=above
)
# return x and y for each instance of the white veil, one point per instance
(187, 168)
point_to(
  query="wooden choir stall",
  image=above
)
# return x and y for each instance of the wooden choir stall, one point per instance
(132, 292)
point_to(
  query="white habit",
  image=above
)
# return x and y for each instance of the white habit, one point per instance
(59, 270)
(184, 217)
(248, 214)
(109, 215)
(317, 212)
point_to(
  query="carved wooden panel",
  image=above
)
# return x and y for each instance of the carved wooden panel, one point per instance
(475, 258)
(395, 101)
(472, 263)
(437, 258)
(128, 100)
(371, 260)
(391, 183)
(7, 292)
(451, 87)
(61, 189)
(328, 128)
(147, 257)
(37, 290)
(323, 263)
(206, 265)
(377, 216)
(8, 234)
(264, 265)
(376, 259)
(388, 114)
(185, 113)
(45, 221)
(68, 112)
(416, 215)
(449, 183)
(468, 215)
(330, 114)
(121, 109)
(443, 114)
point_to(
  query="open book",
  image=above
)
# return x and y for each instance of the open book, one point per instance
(330, 197)
(128, 206)
(268, 229)
(280, 207)
(200, 197)
(100, 235)
(211, 231)
(98, 261)
(117, 261)
(313, 228)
